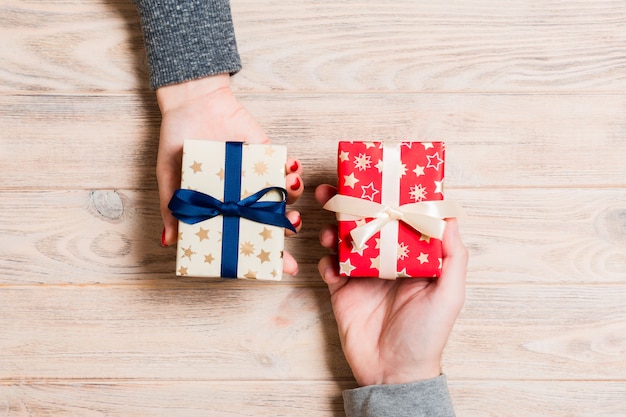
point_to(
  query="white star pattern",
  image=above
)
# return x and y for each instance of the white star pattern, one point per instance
(377, 243)
(369, 145)
(418, 192)
(362, 162)
(403, 251)
(427, 145)
(350, 180)
(344, 156)
(419, 170)
(434, 161)
(424, 238)
(423, 258)
(369, 188)
(403, 274)
(346, 267)
(402, 170)
(375, 262)
(379, 166)
(358, 250)
(407, 144)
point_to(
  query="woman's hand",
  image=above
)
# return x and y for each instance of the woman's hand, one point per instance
(206, 108)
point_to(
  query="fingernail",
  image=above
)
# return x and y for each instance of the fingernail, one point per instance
(296, 224)
(296, 185)
(294, 167)
(163, 239)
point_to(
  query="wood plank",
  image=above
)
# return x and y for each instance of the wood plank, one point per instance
(211, 332)
(327, 46)
(112, 237)
(71, 46)
(307, 398)
(104, 142)
(538, 398)
(167, 399)
(431, 46)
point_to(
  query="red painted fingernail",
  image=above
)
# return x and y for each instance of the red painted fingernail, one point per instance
(163, 239)
(296, 224)
(296, 184)
(294, 167)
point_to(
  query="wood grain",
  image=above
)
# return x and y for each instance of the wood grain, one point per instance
(112, 237)
(326, 46)
(529, 96)
(307, 398)
(521, 140)
(216, 332)
(172, 398)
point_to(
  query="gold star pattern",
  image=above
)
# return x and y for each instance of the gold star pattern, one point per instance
(264, 256)
(258, 245)
(188, 253)
(266, 234)
(247, 248)
(196, 166)
(375, 262)
(425, 238)
(260, 168)
(203, 234)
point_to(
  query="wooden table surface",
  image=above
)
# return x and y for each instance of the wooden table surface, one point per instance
(530, 96)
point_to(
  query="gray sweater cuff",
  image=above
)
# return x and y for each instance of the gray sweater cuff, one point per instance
(429, 398)
(188, 39)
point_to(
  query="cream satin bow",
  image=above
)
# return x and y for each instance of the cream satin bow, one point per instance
(427, 217)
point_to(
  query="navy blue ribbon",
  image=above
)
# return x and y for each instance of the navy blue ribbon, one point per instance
(192, 207)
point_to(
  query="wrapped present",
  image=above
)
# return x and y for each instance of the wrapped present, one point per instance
(231, 210)
(390, 209)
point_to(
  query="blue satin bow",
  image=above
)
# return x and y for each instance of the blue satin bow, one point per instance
(192, 207)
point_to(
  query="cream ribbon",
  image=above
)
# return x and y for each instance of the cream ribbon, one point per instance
(427, 217)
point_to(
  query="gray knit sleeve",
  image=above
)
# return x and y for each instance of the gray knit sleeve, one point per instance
(429, 398)
(187, 39)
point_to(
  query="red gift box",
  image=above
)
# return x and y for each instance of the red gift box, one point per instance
(390, 209)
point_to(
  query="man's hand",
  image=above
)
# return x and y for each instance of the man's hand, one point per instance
(207, 109)
(394, 332)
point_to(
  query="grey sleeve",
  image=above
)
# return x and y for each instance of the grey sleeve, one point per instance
(429, 398)
(188, 39)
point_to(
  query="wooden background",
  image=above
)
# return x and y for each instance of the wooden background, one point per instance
(530, 96)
